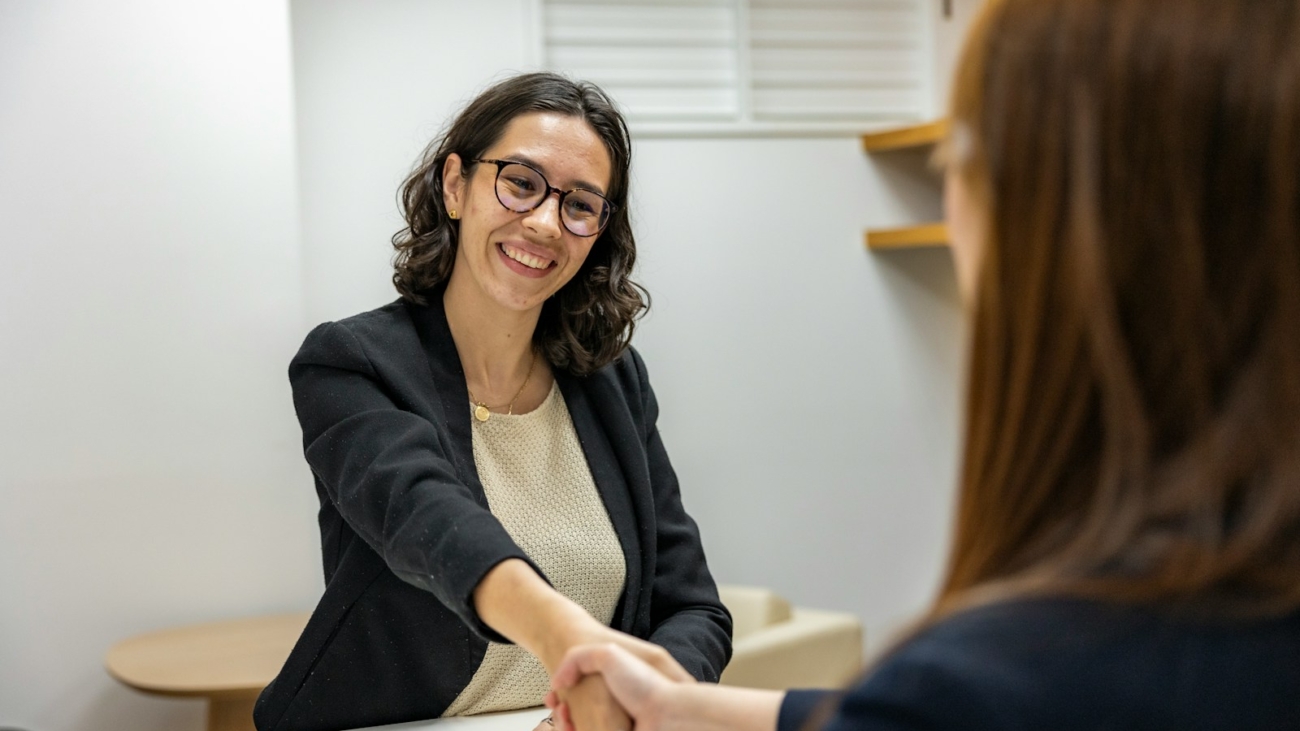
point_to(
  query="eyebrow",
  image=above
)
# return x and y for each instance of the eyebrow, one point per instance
(591, 187)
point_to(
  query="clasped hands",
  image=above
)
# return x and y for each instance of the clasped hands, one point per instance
(514, 600)
(603, 683)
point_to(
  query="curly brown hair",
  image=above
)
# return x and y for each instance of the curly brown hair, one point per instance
(589, 322)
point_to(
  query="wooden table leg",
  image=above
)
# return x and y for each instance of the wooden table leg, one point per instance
(231, 714)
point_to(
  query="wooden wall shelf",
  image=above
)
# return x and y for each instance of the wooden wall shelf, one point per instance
(924, 235)
(917, 135)
(910, 237)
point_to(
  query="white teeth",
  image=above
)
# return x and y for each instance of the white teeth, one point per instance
(527, 260)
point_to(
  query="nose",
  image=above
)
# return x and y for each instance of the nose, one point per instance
(545, 218)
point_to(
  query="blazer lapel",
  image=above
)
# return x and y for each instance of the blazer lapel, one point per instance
(610, 482)
(451, 395)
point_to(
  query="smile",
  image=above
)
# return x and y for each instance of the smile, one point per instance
(526, 259)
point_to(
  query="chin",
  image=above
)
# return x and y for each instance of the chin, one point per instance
(512, 298)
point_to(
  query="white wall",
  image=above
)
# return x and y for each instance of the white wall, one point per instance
(948, 31)
(373, 84)
(809, 388)
(150, 299)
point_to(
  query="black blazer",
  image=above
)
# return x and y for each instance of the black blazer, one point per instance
(406, 533)
(1075, 665)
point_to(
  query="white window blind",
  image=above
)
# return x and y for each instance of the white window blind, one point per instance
(734, 65)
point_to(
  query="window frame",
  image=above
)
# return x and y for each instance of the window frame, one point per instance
(745, 123)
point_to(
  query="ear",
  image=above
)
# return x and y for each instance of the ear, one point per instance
(453, 183)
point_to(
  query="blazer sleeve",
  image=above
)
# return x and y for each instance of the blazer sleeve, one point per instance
(686, 616)
(880, 709)
(799, 705)
(388, 472)
(920, 688)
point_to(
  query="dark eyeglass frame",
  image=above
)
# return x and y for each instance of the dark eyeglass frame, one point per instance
(501, 165)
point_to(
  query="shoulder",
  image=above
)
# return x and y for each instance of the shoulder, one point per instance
(1041, 636)
(628, 370)
(1067, 664)
(358, 340)
(981, 669)
(372, 328)
(1022, 629)
(616, 391)
(625, 374)
(391, 317)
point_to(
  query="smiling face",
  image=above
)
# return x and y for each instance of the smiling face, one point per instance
(518, 260)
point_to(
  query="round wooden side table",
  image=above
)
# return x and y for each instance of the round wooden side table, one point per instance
(228, 663)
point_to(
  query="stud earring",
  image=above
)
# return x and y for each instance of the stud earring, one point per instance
(452, 214)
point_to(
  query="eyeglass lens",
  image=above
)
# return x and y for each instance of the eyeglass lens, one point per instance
(521, 189)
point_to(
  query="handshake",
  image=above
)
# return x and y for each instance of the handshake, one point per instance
(603, 679)
(613, 683)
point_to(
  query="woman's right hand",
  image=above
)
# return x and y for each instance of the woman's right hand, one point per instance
(515, 601)
(643, 691)
(588, 704)
(656, 703)
(591, 707)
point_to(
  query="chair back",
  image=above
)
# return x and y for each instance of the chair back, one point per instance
(753, 608)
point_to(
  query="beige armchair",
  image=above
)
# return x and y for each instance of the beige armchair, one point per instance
(777, 646)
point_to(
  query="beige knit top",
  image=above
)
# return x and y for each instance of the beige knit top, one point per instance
(539, 486)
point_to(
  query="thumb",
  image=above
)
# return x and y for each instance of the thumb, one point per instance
(578, 663)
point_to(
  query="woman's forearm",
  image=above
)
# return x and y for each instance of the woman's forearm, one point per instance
(707, 707)
(515, 601)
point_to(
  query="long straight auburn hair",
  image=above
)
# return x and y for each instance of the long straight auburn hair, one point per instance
(1133, 406)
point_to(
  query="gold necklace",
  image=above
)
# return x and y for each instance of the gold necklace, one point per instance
(481, 410)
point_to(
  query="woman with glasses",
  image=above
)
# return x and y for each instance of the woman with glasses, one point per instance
(1124, 202)
(493, 488)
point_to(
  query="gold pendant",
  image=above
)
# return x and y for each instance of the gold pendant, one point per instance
(481, 412)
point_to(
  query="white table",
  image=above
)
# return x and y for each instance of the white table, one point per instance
(525, 720)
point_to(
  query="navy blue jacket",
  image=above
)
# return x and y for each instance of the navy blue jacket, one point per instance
(406, 533)
(1073, 665)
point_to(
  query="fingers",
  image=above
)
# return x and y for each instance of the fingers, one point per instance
(579, 662)
(563, 717)
(632, 682)
(659, 659)
(637, 679)
(593, 708)
(653, 655)
(614, 659)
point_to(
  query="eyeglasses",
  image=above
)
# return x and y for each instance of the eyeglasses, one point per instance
(522, 188)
